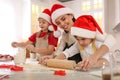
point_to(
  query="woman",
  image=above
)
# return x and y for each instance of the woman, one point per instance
(67, 39)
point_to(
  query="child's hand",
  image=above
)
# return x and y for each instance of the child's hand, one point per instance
(91, 61)
(30, 47)
(83, 65)
(44, 59)
(14, 44)
(87, 63)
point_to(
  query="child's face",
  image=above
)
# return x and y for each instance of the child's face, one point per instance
(43, 24)
(83, 41)
(65, 22)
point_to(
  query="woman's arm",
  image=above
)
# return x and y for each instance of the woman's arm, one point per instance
(60, 56)
(60, 47)
(74, 49)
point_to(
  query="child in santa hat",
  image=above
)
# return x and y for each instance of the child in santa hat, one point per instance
(89, 40)
(63, 17)
(44, 40)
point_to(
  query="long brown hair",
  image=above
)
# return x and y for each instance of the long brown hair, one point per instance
(73, 19)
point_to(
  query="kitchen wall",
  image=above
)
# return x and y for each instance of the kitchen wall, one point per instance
(113, 18)
(15, 23)
(45, 3)
(112, 14)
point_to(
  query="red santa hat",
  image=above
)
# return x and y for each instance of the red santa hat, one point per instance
(86, 26)
(45, 15)
(55, 30)
(58, 10)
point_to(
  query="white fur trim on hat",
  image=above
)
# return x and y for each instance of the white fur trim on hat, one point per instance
(45, 16)
(57, 33)
(100, 37)
(83, 32)
(60, 12)
(51, 28)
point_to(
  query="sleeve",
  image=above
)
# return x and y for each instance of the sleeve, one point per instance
(52, 40)
(74, 49)
(107, 39)
(32, 38)
(61, 46)
(106, 56)
(98, 44)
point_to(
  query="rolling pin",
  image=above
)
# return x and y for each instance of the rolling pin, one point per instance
(64, 64)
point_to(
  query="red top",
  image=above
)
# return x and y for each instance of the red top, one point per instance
(51, 39)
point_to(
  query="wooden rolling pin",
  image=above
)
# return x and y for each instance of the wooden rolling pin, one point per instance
(64, 64)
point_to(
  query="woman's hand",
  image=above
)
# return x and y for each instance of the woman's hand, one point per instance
(43, 60)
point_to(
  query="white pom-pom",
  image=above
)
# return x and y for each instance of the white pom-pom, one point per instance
(100, 37)
(51, 28)
(57, 33)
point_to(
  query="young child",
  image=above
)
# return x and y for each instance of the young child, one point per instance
(44, 40)
(86, 30)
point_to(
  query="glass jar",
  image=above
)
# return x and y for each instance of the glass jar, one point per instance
(32, 55)
(116, 66)
(20, 57)
(106, 71)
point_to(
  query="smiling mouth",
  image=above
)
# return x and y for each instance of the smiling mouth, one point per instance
(42, 27)
(65, 27)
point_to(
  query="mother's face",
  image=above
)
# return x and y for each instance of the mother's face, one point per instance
(65, 22)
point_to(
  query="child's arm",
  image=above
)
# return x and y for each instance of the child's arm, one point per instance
(84, 66)
(100, 62)
(47, 51)
(30, 40)
(20, 44)
(109, 42)
(93, 59)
